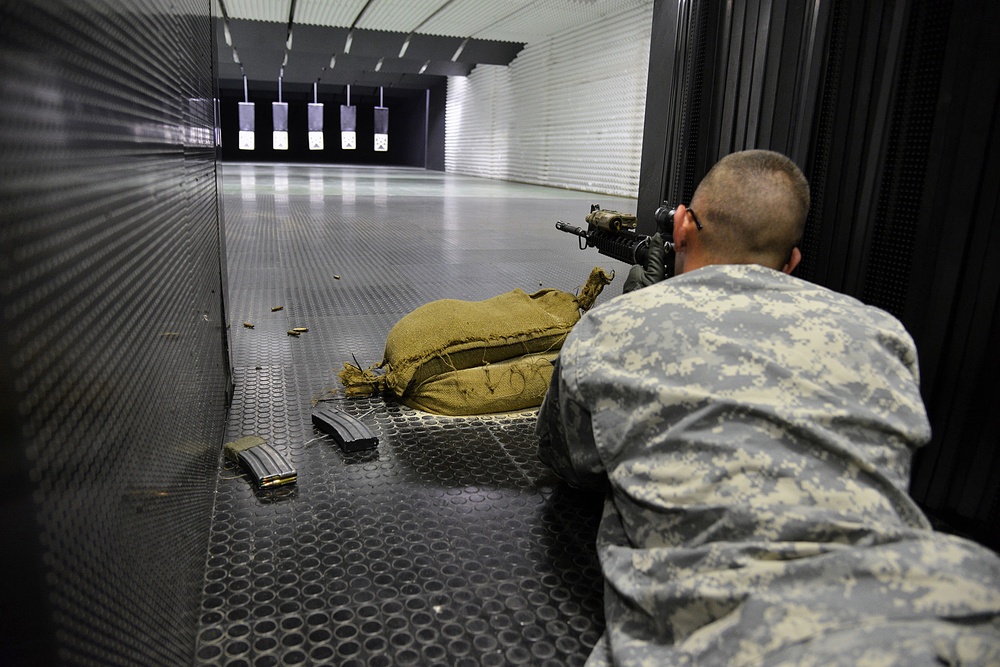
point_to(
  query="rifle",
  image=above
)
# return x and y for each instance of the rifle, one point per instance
(614, 235)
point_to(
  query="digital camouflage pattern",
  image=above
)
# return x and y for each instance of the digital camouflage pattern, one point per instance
(754, 433)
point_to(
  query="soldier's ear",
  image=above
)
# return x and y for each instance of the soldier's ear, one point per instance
(680, 228)
(793, 260)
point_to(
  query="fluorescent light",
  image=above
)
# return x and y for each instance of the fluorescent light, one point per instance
(406, 45)
(347, 45)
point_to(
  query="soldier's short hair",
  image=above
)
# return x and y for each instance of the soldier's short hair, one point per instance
(753, 205)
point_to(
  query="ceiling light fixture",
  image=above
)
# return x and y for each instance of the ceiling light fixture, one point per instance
(350, 38)
(461, 48)
(406, 45)
(424, 68)
(378, 65)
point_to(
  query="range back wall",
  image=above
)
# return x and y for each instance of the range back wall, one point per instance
(114, 373)
(567, 112)
(407, 126)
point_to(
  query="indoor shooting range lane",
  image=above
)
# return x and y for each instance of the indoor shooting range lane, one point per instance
(449, 544)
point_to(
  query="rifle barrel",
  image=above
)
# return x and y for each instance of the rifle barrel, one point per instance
(564, 227)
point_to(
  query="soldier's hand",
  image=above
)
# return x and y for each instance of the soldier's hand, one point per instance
(640, 276)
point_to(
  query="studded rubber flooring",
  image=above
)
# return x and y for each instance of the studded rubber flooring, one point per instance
(450, 544)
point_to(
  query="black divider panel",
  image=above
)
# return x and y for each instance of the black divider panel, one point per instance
(955, 277)
(890, 110)
(114, 367)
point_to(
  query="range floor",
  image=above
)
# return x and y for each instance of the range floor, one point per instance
(451, 544)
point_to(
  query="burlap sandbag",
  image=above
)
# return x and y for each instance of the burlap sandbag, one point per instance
(513, 384)
(457, 357)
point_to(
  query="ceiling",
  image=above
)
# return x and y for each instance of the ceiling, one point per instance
(409, 44)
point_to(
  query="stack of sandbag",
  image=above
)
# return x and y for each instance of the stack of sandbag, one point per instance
(454, 357)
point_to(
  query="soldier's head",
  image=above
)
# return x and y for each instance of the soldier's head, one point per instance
(750, 208)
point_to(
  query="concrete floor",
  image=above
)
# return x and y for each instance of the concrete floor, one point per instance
(450, 544)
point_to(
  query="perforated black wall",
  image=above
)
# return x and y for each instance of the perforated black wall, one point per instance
(890, 109)
(887, 278)
(115, 375)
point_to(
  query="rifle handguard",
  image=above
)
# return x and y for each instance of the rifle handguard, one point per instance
(625, 246)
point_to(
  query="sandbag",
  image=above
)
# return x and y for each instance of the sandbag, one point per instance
(458, 357)
(506, 386)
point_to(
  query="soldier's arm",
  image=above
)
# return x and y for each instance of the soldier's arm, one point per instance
(565, 437)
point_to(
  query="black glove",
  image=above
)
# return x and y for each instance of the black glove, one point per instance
(640, 276)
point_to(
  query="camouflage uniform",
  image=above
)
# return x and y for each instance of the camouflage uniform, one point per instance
(754, 433)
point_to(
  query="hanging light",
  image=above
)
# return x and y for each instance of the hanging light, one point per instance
(406, 45)
(458, 52)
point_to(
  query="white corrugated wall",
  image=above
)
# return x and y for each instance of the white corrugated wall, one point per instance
(567, 112)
